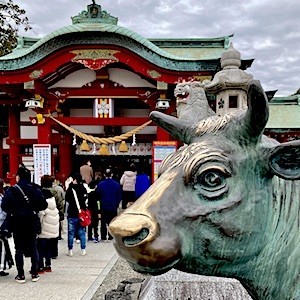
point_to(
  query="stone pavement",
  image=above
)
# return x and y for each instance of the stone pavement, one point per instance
(76, 277)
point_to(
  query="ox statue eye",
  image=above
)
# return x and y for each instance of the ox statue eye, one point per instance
(211, 179)
(211, 182)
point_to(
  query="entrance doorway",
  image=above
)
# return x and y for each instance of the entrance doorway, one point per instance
(118, 163)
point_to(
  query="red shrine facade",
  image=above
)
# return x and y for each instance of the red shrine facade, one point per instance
(97, 78)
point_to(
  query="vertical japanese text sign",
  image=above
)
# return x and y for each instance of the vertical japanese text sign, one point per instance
(42, 161)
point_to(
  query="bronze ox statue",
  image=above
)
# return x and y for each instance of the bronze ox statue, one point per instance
(225, 204)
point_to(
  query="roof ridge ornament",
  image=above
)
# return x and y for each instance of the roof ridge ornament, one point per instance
(94, 14)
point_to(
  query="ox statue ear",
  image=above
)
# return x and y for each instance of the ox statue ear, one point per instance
(284, 160)
(180, 129)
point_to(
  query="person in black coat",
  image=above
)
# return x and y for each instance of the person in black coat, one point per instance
(94, 208)
(25, 225)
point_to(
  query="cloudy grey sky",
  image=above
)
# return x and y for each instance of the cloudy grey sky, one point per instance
(267, 30)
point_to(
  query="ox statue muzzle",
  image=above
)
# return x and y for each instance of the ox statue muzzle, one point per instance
(137, 238)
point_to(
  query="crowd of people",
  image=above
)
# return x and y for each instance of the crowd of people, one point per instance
(33, 215)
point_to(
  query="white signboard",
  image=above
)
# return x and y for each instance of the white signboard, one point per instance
(42, 161)
(161, 149)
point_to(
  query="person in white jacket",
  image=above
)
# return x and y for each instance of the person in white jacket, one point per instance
(128, 186)
(50, 228)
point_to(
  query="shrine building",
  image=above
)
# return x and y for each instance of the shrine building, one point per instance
(87, 90)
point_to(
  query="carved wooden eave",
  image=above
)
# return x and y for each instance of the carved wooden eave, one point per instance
(57, 49)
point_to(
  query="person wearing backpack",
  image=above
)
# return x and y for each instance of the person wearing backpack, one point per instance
(23, 201)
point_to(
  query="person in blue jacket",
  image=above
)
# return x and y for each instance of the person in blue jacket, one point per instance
(142, 183)
(109, 193)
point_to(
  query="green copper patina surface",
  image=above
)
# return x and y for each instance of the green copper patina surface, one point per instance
(225, 204)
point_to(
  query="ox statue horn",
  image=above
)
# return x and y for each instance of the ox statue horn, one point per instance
(180, 129)
(257, 113)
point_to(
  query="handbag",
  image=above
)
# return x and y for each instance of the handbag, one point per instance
(84, 214)
(36, 220)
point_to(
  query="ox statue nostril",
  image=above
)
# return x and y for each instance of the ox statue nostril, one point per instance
(133, 229)
(136, 238)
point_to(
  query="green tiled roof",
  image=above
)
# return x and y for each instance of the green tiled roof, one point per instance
(196, 53)
(194, 48)
(284, 116)
(294, 99)
(284, 112)
(95, 33)
(97, 28)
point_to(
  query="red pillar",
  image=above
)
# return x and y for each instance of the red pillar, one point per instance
(162, 135)
(14, 136)
(44, 132)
